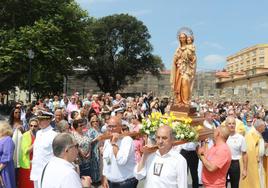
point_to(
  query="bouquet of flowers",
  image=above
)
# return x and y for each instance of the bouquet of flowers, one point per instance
(182, 128)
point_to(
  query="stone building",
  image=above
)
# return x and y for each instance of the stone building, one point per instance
(205, 85)
(160, 86)
(246, 76)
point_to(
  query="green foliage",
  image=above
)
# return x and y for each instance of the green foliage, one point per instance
(122, 52)
(115, 49)
(53, 29)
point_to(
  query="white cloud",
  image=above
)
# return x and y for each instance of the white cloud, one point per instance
(214, 59)
(213, 45)
(211, 62)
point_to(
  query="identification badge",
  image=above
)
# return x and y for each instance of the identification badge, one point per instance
(108, 160)
(158, 168)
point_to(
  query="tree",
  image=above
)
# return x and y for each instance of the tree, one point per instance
(53, 29)
(122, 52)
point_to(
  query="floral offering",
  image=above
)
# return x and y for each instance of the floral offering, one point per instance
(182, 127)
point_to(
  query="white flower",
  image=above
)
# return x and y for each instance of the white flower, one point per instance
(182, 136)
(147, 132)
(191, 134)
(148, 124)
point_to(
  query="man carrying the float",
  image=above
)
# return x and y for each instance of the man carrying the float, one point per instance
(118, 158)
(165, 167)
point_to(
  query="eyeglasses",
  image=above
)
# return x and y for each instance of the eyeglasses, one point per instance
(73, 145)
(111, 126)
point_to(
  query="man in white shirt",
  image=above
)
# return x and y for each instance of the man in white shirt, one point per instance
(118, 158)
(42, 149)
(165, 168)
(60, 172)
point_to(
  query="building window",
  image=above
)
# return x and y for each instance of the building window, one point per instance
(261, 51)
(261, 60)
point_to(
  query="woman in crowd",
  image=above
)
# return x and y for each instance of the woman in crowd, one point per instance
(138, 142)
(79, 105)
(84, 147)
(6, 156)
(95, 104)
(65, 114)
(237, 145)
(93, 133)
(128, 114)
(107, 106)
(18, 129)
(64, 102)
(26, 154)
(154, 106)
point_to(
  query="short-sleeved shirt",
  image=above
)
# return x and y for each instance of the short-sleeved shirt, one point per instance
(60, 173)
(237, 145)
(219, 155)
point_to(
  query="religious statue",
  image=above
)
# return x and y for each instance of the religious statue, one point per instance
(183, 68)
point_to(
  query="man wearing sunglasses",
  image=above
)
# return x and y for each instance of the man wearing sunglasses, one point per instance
(60, 171)
(118, 158)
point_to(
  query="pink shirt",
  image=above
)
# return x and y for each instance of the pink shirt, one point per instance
(71, 107)
(138, 144)
(96, 106)
(219, 155)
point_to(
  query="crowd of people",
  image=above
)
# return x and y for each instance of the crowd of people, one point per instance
(55, 142)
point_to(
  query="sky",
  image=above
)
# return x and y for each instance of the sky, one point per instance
(221, 27)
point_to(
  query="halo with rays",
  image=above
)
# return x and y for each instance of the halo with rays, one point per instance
(185, 30)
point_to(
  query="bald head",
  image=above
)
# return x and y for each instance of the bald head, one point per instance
(115, 124)
(223, 131)
(115, 120)
(167, 129)
(164, 139)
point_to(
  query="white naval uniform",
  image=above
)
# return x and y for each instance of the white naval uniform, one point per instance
(42, 152)
(169, 170)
